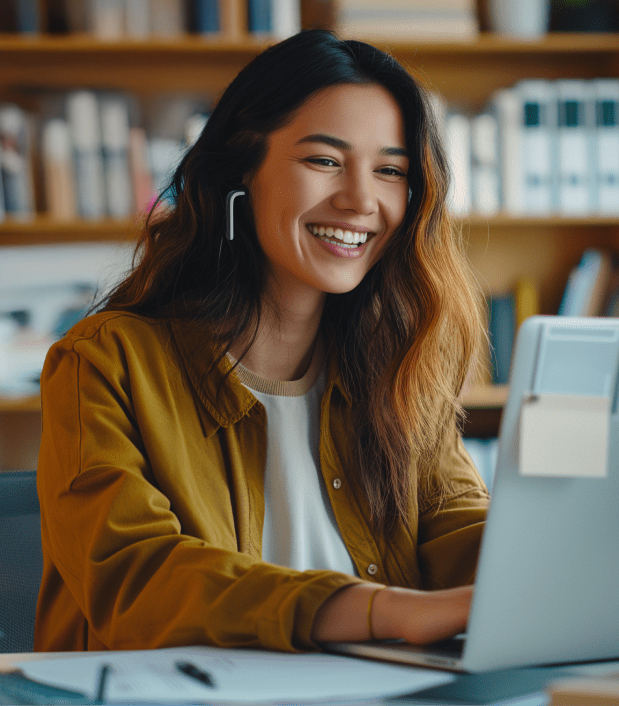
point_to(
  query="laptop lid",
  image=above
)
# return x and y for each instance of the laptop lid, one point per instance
(547, 583)
(547, 586)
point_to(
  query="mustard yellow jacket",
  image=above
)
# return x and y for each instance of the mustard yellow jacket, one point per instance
(152, 502)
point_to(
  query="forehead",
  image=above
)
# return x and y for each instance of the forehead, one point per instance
(360, 114)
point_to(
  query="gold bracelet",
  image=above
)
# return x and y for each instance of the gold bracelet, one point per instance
(370, 603)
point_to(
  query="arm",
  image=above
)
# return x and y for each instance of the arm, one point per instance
(138, 519)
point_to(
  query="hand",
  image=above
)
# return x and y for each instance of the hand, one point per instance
(419, 617)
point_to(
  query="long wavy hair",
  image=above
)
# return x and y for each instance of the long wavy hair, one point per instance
(405, 337)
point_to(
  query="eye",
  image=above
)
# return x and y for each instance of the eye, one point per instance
(318, 160)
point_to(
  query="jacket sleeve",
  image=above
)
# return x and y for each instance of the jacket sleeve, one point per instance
(450, 531)
(117, 544)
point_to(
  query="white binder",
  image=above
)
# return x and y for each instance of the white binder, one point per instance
(574, 141)
(538, 131)
(605, 182)
(458, 140)
(486, 198)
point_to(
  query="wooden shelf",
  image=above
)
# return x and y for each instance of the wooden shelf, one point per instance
(485, 396)
(42, 230)
(490, 396)
(193, 63)
(12, 405)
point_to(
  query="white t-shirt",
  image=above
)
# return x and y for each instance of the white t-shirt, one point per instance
(300, 531)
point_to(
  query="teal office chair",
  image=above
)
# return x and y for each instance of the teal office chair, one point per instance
(21, 559)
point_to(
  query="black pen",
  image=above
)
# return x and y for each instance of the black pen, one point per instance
(194, 672)
(103, 672)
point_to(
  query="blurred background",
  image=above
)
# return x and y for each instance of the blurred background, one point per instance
(100, 99)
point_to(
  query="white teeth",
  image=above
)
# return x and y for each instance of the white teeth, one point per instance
(346, 236)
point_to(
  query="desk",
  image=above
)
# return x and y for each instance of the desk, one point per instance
(537, 699)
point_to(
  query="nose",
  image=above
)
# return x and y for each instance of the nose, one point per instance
(357, 193)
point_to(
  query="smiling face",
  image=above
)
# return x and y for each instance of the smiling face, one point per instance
(335, 173)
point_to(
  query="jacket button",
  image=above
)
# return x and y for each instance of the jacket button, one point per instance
(372, 569)
(337, 483)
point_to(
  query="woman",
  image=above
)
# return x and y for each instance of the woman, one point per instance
(254, 437)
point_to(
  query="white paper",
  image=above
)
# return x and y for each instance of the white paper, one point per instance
(564, 436)
(240, 676)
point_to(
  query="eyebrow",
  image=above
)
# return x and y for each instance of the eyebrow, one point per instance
(343, 145)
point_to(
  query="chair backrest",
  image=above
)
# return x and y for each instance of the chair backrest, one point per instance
(21, 559)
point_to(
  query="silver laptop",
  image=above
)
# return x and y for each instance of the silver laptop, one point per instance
(547, 585)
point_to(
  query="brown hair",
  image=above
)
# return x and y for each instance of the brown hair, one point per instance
(405, 336)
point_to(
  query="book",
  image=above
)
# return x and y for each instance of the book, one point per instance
(115, 142)
(407, 19)
(2, 209)
(205, 16)
(260, 16)
(286, 18)
(605, 181)
(85, 125)
(587, 285)
(28, 16)
(233, 19)
(107, 18)
(58, 171)
(526, 300)
(167, 18)
(501, 332)
(507, 107)
(538, 129)
(458, 148)
(139, 167)
(16, 150)
(137, 19)
(318, 14)
(485, 186)
(576, 122)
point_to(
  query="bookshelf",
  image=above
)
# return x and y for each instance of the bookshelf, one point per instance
(500, 247)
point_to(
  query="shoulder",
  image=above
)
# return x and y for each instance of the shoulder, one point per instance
(110, 324)
(114, 340)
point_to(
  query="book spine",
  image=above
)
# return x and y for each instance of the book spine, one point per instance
(286, 18)
(141, 179)
(580, 284)
(167, 18)
(507, 107)
(605, 191)
(318, 14)
(574, 147)
(206, 14)
(83, 115)
(501, 327)
(260, 16)
(233, 15)
(486, 198)
(458, 142)
(2, 208)
(58, 174)
(115, 139)
(407, 19)
(28, 16)
(16, 166)
(526, 299)
(137, 18)
(107, 19)
(538, 129)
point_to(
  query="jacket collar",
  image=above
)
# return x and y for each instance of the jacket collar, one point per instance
(198, 355)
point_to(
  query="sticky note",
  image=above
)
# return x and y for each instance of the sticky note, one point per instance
(564, 436)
